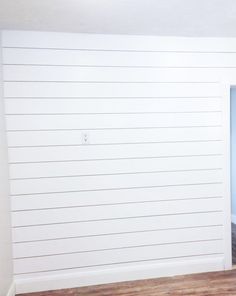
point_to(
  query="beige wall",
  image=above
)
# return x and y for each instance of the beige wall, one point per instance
(6, 273)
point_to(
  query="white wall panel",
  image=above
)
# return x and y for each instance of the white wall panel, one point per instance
(115, 256)
(120, 105)
(102, 89)
(117, 166)
(104, 227)
(91, 243)
(112, 121)
(149, 186)
(109, 74)
(105, 212)
(119, 74)
(115, 196)
(100, 182)
(24, 56)
(97, 152)
(113, 136)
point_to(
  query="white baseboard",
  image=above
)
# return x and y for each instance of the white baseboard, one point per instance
(63, 281)
(11, 291)
(233, 219)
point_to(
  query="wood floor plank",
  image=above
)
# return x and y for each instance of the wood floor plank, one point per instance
(205, 284)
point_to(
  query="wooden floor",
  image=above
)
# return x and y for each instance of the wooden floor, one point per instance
(217, 284)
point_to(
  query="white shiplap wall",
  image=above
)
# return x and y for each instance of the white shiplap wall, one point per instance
(146, 196)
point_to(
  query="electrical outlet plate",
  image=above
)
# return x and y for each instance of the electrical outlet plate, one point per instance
(85, 138)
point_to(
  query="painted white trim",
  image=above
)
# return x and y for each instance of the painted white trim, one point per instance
(12, 290)
(71, 280)
(227, 171)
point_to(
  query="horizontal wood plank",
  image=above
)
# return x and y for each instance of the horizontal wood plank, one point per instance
(68, 261)
(115, 136)
(111, 74)
(103, 182)
(86, 152)
(84, 244)
(116, 58)
(116, 196)
(117, 166)
(112, 121)
(106, 212)
(103, 227)
(120, 105)
(60, 89)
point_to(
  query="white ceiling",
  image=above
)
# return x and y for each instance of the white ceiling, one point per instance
(145, 17)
